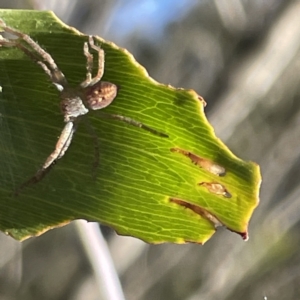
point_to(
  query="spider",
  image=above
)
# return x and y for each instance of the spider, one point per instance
(92, 93)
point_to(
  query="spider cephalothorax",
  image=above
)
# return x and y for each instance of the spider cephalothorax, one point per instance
(92, 93)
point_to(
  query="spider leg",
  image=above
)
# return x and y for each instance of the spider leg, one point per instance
(93, 134)
(61, 147)
(7, 43)
(89, 65)
(134, 123)
(100, 51)
(51, 70)
(89, 80)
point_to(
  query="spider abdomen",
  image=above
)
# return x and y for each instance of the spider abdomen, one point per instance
(100, 94)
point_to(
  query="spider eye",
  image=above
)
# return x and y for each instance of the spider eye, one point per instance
(101, 95)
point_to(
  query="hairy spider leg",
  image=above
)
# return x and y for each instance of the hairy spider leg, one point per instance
(100, 61)
(134, 123)
(61, 147)
(32, 56)
(89, 63)
(52, 69)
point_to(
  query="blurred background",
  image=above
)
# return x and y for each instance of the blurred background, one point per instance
(243, 58)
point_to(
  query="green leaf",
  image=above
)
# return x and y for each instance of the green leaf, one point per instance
(154, 188)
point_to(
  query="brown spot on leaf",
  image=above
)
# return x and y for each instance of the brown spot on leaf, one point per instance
(202, 100)
(204, 163)
(216, 188)
(204, 213)
(198, 210)
(244, 235)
